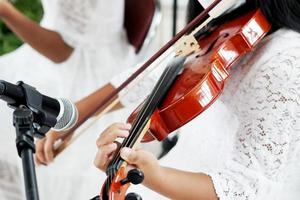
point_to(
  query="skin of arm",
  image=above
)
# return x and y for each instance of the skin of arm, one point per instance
(177, 184)
(172, 183)
(45, 147)
(46, 42)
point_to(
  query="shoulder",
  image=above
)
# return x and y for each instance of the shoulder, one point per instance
(279, 59)
(274, 64)
(281, 45)
(267, 82)
(276, 60)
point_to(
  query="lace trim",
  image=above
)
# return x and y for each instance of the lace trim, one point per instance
(266, 99)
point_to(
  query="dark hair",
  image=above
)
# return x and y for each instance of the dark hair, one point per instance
(194, 8)
(280, 13)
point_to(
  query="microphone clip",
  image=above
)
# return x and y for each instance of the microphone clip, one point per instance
(42, 120)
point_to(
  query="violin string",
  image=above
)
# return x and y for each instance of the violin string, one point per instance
(106, 186)
(149, 101)
(110, 179)
(139, 121)
(136, 129)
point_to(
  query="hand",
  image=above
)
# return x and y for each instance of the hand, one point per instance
(107, 146)
(45, 147)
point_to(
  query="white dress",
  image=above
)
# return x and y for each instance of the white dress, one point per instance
(95, 29)
(248, 141)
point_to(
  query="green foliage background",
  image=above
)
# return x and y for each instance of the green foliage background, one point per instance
(32, 9)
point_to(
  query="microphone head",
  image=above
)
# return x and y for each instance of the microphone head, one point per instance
(68, 115)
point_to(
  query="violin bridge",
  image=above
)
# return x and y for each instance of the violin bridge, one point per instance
(187, 45)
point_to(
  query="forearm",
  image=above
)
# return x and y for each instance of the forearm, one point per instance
(46, 42)
(85, 107)
(176, 184)
(87, 104)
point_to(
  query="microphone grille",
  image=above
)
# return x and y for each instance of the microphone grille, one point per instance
(68, 115)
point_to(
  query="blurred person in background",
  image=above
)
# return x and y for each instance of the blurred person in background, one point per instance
(77, 47)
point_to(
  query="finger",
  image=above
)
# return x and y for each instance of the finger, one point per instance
(136, 157)
(118, 144)
(37, 162)
(113, 132)
(123, 126)
(39, 154)
(48, 149)
(118, 125)
(104, 155)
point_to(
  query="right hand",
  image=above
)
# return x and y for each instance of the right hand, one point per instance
(45, 147)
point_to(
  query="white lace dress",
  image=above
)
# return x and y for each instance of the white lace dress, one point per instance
(95, 29)
(248, 141)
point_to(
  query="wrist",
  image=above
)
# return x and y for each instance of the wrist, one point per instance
(153, 175)
(145, 161)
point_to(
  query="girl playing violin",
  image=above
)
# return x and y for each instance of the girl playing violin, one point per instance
(262, 96)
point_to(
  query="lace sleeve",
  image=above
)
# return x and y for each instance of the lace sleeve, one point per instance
(267, 103)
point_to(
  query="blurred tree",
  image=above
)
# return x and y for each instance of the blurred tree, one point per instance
(31, 8)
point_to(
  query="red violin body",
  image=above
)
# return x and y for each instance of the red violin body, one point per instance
(205, 73)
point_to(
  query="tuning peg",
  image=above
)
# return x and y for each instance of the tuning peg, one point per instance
(133, 196)
(134, 176)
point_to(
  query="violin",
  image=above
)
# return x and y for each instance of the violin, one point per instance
(220, 45)
(116, 170)
(205, 73)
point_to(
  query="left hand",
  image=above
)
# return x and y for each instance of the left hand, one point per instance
(45, 147)
(106, 148)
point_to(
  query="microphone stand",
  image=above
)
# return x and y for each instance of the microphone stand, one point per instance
(30, 120)
(23, 122)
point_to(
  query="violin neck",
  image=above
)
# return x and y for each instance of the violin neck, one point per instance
(142, 122)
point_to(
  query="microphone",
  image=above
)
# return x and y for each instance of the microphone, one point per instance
(61, 114)
(67, 116)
